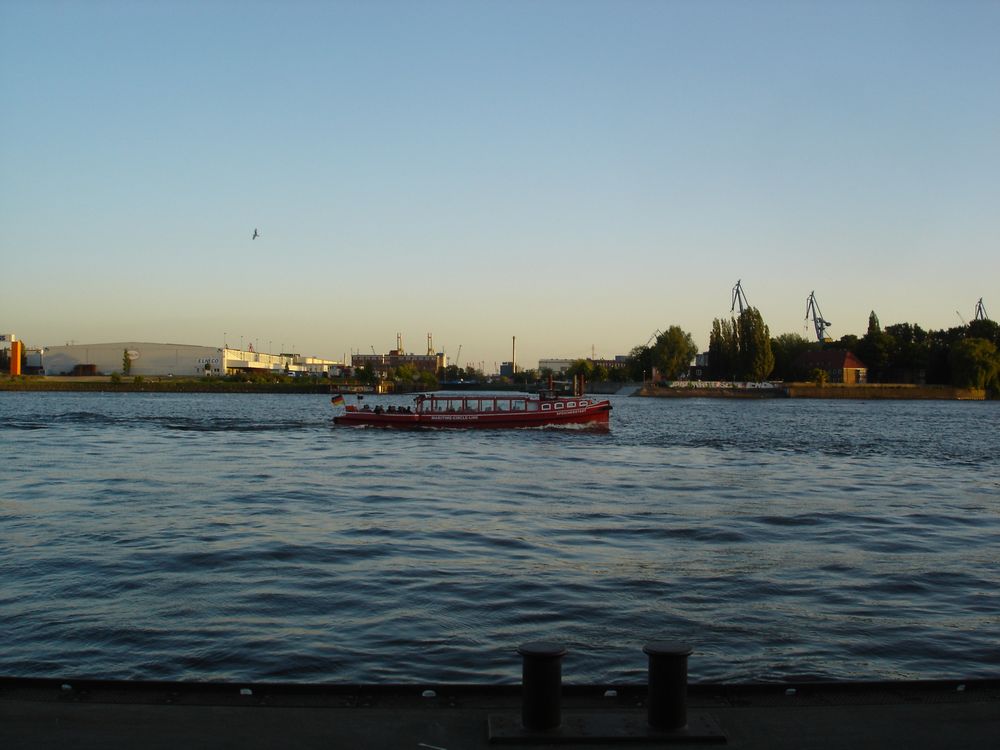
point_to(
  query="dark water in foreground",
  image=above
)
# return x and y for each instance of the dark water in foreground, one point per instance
(242, 537)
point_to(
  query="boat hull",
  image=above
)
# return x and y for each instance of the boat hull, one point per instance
(595, 414)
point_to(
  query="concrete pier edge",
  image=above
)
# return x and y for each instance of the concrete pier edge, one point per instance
(84, 713)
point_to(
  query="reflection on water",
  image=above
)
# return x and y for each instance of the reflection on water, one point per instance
(244, 537)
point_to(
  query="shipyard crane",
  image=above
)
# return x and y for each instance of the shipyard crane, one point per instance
(812, 310)
(981, 311)
(739, 298)
(458, 358)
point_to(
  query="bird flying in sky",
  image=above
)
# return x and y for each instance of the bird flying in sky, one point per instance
(256, 234)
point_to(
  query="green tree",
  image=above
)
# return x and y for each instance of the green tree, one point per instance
(367, 375)
(939, 345)
(723, 349)
(126, 363)
(985, 329)
(787, 347)
(756, 360)
(874, 326)
(525, 376)
(874, 349)
(618, 374)
(847, 343)
(407, 373)
(427, 379)
(640, 362)
(975, 364)
(673, 351)
(908, 352)
(581, 367)
(819, 377)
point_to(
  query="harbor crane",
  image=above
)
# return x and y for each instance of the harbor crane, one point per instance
(981, 311)
(812, 310)
(739, 298)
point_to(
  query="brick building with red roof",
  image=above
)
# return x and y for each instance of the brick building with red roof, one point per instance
(840, 366)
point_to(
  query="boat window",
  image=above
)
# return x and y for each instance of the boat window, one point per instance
(517, 405)
(571, 405)
(546, 407)
(559, 404)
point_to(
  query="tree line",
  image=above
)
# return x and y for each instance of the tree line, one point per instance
(742, 349)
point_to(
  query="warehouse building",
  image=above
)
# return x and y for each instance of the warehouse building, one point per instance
(134, 358)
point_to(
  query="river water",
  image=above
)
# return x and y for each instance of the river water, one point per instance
(244, 537)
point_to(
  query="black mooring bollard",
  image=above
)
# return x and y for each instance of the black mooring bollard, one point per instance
(667, 700)
(541, 685)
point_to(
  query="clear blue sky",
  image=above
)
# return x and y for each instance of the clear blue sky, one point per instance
(578, 174)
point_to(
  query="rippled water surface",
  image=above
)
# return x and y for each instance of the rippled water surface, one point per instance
(243, 537)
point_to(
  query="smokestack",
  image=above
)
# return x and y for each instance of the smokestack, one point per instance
(513, 355)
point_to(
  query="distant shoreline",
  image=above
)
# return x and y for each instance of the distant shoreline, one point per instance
(886, 391)
(873, 391)
(104, 384)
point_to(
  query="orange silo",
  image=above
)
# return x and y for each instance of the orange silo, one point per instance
(16, 348)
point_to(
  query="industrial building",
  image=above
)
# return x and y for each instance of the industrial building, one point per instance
(380, 364)
(135, 358)
(560, 366)
(839, 366)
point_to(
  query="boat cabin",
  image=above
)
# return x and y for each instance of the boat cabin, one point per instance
(491, 404)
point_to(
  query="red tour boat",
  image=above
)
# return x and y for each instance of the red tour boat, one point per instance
(484, 411)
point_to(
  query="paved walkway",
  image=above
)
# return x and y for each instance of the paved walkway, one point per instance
(109, 715)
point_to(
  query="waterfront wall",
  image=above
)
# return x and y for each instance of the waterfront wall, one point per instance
(884, 391)
(710, 389)
(658, 392)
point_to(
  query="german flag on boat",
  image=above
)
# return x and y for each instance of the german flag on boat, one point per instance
(337, 399)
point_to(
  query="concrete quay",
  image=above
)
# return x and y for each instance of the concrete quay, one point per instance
(80, 714)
